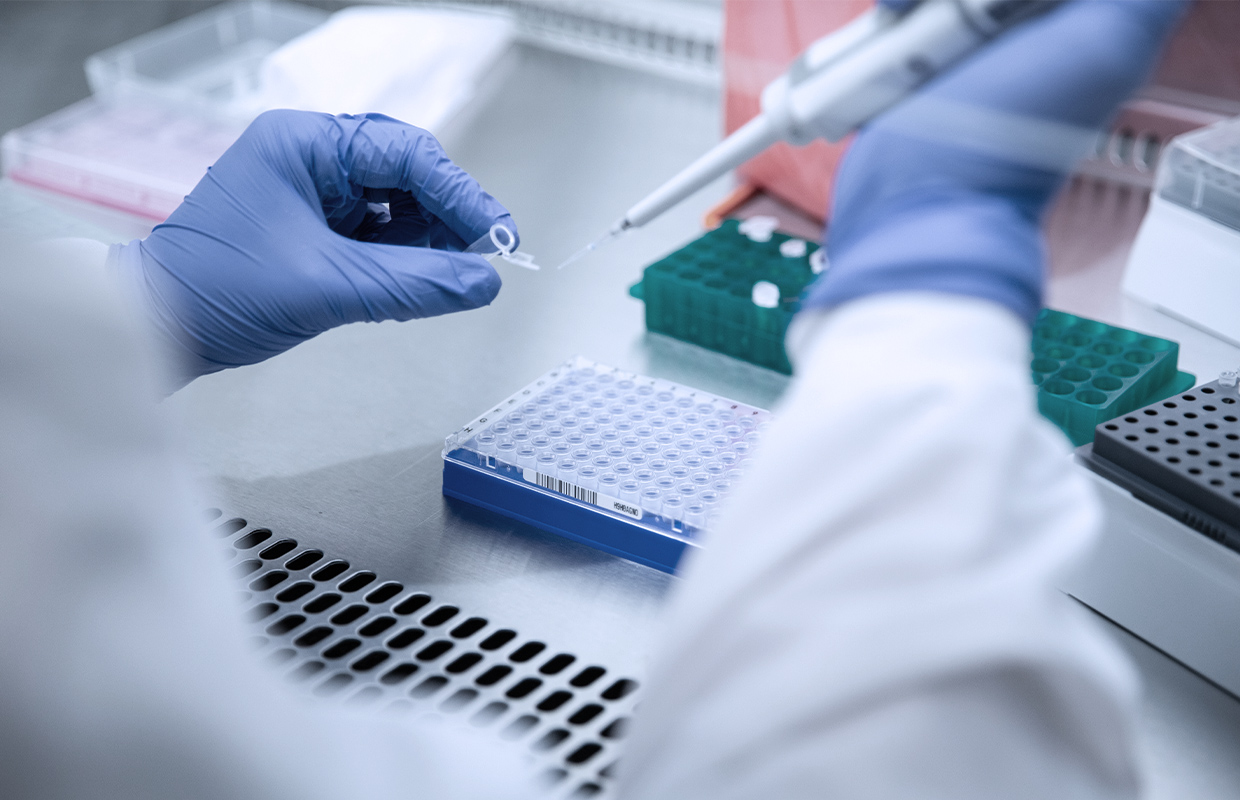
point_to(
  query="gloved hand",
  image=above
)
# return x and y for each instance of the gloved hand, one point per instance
(945, 192)
(284, 238)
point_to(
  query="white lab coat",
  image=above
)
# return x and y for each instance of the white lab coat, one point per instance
(875, 619)
(876, 616)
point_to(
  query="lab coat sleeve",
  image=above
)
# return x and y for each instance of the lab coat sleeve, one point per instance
(123, 668)
(876, 616)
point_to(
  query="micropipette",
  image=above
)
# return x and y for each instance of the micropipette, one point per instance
(839, 83)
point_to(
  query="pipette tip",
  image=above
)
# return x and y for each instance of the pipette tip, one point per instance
(594, 245)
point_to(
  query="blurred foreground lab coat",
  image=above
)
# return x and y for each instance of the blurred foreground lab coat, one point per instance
(876, 618)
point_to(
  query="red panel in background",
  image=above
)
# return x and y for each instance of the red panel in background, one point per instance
(760, 39)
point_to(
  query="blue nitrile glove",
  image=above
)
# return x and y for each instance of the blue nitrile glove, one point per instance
(284, 238)
(945, 192)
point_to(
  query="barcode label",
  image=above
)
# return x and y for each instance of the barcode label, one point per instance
(581, 493)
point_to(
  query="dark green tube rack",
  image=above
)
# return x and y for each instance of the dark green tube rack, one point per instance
(1086, 371)
(703, 293)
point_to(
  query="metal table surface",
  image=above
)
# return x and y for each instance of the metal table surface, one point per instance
(338, 441)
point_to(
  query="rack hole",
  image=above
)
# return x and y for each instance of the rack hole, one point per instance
(411, 604)
(526, 651)
(331, 569)
(556, 664)
(307, 670)
(458, 700)
(469, 627)
(263, 610)
(493, 675)
(398, 673)
(615, 729)
(281, 655)
(519, 727)
(434, 650)
(321, 603)
(439, 616)
(377, 626)
(252, 539)
(279, 549)
(585, 714)
(285, 624)
(333, 684)
(498, 639)
(230, 527)
(429, 686)
(369, 661)
(295, 592)
(554, 700)
(550, 739)
(342, 648)
(523, 687)
(383, 593)
(303, 560)
(366, 695)
(587, 676)
(246, 567)
(619, 689)
(349, 614)
(463, 663)
(356, 581)
(584, 753)
(489, 713)
(313, 636)
(269, 580)
(405, 638)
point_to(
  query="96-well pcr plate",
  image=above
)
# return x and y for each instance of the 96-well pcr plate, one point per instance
(629, 464)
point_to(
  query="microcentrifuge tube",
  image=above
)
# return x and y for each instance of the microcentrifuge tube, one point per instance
(793, 248)
(499, 241)
(758, 229)
(765, 294)
(1229, 378)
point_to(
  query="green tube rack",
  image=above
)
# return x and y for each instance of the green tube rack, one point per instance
(1088, 372)
(703, 294)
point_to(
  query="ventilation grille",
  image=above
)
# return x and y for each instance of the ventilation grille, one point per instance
(1187, 448)
(346, 633)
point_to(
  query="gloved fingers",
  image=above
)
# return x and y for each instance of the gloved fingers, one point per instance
(1073, 64)
(898, 6)
(395, 282)
(373, 225)
(380, 152)
(413, 225)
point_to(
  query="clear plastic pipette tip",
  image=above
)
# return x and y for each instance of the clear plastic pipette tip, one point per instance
(617, 229)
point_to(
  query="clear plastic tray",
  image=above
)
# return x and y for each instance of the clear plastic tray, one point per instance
(135, 155)
(209, 61)
(629, 464)
(1201, 172)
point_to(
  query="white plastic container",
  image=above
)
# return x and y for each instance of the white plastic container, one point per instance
(140, 156)
(1186, 258)
(210, 61)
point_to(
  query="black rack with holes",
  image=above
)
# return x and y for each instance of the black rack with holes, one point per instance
(1180, 455)
(344, 633)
